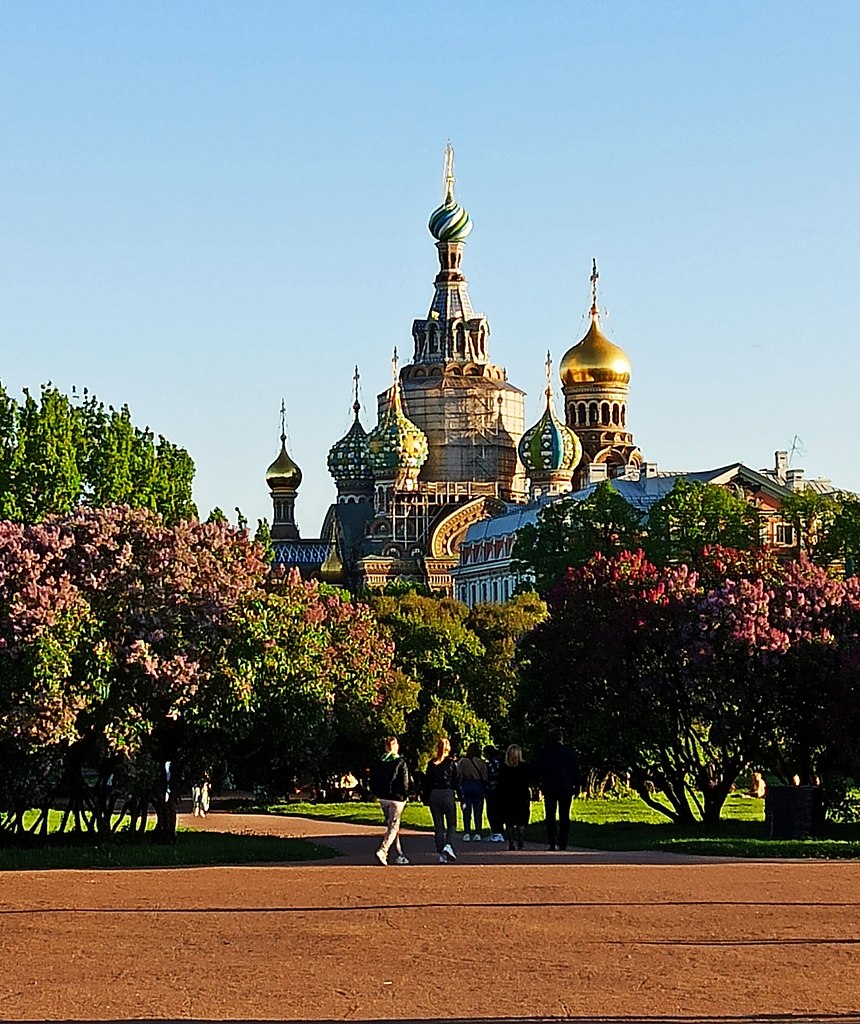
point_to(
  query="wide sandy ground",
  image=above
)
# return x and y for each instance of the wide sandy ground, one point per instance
(583, 935)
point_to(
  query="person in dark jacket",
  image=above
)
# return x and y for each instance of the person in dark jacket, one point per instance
(442, 784)
(558, 775)
(515, 795)
(389, 782)
(494, 812)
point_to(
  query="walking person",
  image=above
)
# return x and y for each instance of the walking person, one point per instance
(515, 795)
(494, 810)
(389, 782)
(473, 785)
(558, 774)
(200, 797)
(442, 782)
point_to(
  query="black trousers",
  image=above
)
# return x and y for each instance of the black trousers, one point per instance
(557, 803)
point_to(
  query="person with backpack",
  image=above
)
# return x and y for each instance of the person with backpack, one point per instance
(494, 807)
(473, 787)
(389, 783)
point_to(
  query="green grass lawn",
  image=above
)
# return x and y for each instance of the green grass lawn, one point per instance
(629, 824)
(191, 848)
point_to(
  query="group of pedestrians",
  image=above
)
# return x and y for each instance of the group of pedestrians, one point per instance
(503, 784)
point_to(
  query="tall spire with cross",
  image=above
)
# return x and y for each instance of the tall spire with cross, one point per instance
(595, 277)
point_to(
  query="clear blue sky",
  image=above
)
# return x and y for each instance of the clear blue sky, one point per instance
(207, 206)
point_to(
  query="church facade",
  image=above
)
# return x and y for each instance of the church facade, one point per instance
(449, 448)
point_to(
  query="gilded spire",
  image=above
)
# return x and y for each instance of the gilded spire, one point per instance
(449, 175)
(595, 276)
(356, 404)
(548, 390)
(450, 222)
(283, 422)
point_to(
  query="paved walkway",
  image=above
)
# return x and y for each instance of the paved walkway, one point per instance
(355, 844)
(522, 937)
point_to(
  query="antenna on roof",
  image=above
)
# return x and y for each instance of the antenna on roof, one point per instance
(797, 448)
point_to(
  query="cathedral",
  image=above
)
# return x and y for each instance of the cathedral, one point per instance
(449, 447)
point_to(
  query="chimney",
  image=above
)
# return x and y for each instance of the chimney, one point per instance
(596, 472)
(648, 469)
(794, 479)
(780, 464)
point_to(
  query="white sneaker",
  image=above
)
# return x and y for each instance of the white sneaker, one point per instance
(400, 859)
(489, 838)
(443, 859)
(381, 857)
(448, 851)
(466, 837)
(476, 838)
(498, 837)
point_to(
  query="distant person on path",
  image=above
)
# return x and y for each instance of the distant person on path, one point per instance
(442, 783)
(494, 810)
(558, 775)
(200, 797)
(389, 783)
(515, 796)
(473, 785)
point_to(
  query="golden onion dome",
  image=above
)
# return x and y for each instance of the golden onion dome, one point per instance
(595, 360)
(283, 472)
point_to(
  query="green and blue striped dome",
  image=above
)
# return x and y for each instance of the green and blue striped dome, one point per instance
(450, 223)
(549, 446)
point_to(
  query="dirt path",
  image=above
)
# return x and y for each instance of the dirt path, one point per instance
(332, 940)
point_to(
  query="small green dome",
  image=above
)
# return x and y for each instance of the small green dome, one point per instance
(396, 445)
(348, 458)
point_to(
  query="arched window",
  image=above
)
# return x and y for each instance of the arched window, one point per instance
(604, 413)
(592, 414)
(623, 415)
(615, 414)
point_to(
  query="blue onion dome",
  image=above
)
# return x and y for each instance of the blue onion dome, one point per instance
(549, 446)
(348, 458)
(396, 445)
(283, 472)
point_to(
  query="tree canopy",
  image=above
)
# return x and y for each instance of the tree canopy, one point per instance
(678, 680)
(57, 453)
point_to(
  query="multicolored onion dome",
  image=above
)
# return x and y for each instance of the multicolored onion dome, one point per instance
(283, 472)
(396, 444)
(450, 223)
(595, 360)
(549, 446)
(347, 458)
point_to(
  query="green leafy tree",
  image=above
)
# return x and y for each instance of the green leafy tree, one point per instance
(812, 515)
(495, 677)
(570, 532)
(435, 646)
(694, 516)
(58, 453)
(320, 679)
